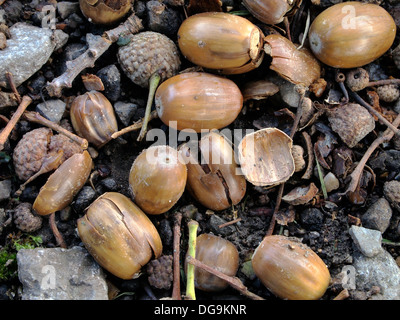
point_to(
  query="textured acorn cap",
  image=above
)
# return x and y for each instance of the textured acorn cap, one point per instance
(146, 53)
(25, 220)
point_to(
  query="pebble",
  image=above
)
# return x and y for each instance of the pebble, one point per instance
(125, 111)
(391, 191)
(66, 8)
(111, 78)
(387, 160)
(60, 274)
(215, 221)
(3, 218)
(378, 215)
(28, 49)
(52, 110)
(312, 218)
(5, 189)
(84, 198)
(331, 182)
(162, 19)
(367, 241)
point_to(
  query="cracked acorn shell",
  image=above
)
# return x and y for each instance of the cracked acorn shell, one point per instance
(62, 186)
(157, 179)
(215, 181)
(198, 100)
(93, 118)
(351, 34)
(290, 269)
(105, 11)
(265, 157)
(217, 253)
(119, 236)
(221, 41)
(270, 11)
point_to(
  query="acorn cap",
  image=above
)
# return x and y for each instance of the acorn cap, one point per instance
(147, 53)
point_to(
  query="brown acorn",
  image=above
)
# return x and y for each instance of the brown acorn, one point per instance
(271, 11)
(105, 11)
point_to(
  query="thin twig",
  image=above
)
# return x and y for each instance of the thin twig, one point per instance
(54, 229)
(34, 116)
(234, 282)
(383, 82)
(26, 101)
(229, 223)
(176, 288)
(357, 172)
(13, 87)
(134, 127)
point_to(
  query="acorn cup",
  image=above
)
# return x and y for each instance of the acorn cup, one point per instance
(351, 34)
(157, 179)
(119, 236)
(105, 12)
(148, 59)
(214, 179)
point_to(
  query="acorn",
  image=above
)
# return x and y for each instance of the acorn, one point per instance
(119, 236)
(105, 11)
(148, 59)
(225, 42)
(194, 101)
(62, 186)
(218, 253)
(93, 118)
(388, 92)
(271, 12)
(298, 66)
(157, 179)
(265, 157)
(290, 269)
(214, 179)
(351, 34)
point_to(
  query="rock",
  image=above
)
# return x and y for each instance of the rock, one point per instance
(83, 199)
(125, 111)
(387, 160)
(312, 218)
(391, 191)
(367, 241)
(60, 274)
(66, 8)
(3, 218)
(162, 19)
(378, 215)
(215, 221)
(331, 182)
(52, 110)
(380, 270)
(28, 49)
(5, 189)
(111, 78)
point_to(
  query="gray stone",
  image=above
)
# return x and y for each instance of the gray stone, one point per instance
(52, 110)
(60, 274)
(367, 241)
(84, 198)
(391, 191)
(5, 189)
(380, 270)
(28, 49)
(66, 8)
(378, 215)
(111, 78)
(125, 111)
(215, 221)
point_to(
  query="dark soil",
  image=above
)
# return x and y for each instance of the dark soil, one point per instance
(325, 231)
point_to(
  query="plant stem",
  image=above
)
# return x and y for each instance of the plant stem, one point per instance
(134, 127)
(176, 289)
(190, 290)
(153, 84)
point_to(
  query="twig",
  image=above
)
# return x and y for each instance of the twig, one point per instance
(383, 82)
(357, 172)
(134, 127)
(309, 171)
(26, 100)
(190, 290)
(229, 223)
(97, 45)
(33, 116)
(13, 87)
(340, 78)
(54, 229)
(234, 282)
(176, 289)
(374, 112)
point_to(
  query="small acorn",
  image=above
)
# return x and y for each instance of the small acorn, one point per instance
(25, 220)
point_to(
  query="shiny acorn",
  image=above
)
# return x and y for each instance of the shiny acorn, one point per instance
(93, 118)
(215, 181)
(157, 179)
(271, 11)
(198, 100)
(217, 253)
(351, 34)
(119, 236)
(105, 11)
(290, 269)
(221, 41)
(62, 186)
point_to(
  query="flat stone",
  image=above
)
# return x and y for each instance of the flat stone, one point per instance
(66, 8)
(28, 49)
(367, 241)
(378, 215)
(5, 189)
(52, 110)
(60, 274)
(125, 111)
